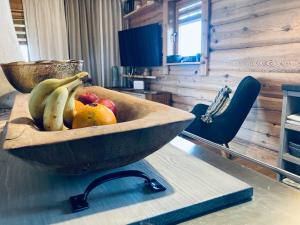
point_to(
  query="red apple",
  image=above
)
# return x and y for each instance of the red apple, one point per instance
(88, 98)
(108, 103)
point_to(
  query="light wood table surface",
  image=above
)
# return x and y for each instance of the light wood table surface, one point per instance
(273, 202)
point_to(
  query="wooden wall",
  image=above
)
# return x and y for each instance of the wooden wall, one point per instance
(256, 37)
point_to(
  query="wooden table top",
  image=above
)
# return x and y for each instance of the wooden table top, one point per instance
(273, 202)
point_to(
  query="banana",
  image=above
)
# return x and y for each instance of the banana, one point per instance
(53, 113)
(69, 111)
(40, 92)
(55, 104)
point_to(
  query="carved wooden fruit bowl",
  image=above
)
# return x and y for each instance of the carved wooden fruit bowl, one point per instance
(143, 127)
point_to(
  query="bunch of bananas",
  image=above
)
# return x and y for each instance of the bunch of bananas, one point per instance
(51, 102)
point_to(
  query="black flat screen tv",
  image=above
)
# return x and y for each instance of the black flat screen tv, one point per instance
(141, 47)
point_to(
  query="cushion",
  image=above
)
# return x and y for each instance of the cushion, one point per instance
(218, 106)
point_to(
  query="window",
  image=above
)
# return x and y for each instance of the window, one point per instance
(187, 33)
(189, 24)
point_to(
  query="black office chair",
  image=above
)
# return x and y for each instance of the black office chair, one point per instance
(225, 126)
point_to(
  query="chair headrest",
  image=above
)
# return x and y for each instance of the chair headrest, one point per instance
(249, 84)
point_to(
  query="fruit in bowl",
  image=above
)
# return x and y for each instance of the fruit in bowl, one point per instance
(53, 106)
(88, 98)
(78, 105)
(51, 102)
(108, 103)
(93, 115)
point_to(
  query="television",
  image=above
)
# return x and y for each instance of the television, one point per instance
(141, 46)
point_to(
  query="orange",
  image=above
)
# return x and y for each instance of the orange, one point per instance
(93, 115)
(78, 106)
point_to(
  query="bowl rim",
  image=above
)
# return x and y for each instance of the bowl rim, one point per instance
(41, 62)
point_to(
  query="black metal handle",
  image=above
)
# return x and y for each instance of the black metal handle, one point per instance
(79, 202)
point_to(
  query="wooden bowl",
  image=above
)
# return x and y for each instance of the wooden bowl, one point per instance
(23, 76)
(143, 128)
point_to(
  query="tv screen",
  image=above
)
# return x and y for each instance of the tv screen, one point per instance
(141, 47)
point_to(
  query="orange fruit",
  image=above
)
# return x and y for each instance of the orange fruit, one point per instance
(93, 115)
(78, 106)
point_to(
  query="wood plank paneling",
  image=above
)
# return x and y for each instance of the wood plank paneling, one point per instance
(275, 58)
(259, 31)
(270, 81)
(260, 139)
(263, 115)
(155, 16)
(255, 151)
(268, 129)
(229, 11)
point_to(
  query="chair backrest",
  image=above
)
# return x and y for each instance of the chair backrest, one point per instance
(241, 103)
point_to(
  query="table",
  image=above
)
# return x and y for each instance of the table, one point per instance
(273, 202)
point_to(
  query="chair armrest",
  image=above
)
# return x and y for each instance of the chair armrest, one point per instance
(199, 109)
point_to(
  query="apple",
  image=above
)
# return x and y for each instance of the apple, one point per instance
(108, 103)
(88, 98)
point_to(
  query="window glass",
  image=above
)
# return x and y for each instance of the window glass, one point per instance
(189, 38)
(189, 30)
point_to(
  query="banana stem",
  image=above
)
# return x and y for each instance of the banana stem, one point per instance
(81, 75)
(70, 86)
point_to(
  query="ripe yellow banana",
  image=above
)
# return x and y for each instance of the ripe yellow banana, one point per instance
(69, 111)
(40, 92)
(55, 104)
